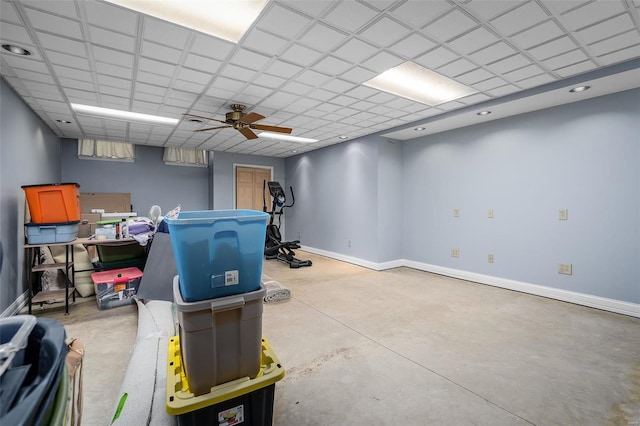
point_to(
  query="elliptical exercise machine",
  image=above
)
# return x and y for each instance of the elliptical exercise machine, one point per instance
(274, 247)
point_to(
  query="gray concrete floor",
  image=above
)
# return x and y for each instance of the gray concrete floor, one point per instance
(404, 347)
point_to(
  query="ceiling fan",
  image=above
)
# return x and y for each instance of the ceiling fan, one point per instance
(242, 122)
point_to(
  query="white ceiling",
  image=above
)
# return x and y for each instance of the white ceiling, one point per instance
(303, 62)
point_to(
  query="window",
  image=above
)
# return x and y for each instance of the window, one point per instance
(105, 150)
(185, 157)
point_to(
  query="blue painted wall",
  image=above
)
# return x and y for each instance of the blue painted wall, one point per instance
(29, 155)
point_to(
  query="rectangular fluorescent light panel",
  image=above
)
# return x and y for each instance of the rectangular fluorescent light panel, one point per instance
(228, 20)
(419, 84)
(287, 138)
(115, 114)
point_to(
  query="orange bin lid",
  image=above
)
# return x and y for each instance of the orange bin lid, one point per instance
(115, 276)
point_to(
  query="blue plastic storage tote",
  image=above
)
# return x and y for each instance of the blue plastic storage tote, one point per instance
(218, 252)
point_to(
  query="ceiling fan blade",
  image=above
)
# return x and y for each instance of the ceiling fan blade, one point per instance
(211, 128)
(271, 128)
(204, 118)
(251, 117)
(248, 133)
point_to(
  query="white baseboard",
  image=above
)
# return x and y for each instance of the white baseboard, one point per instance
(16, 306)
(603, 303)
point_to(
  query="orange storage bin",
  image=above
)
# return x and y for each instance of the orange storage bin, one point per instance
(53, 203)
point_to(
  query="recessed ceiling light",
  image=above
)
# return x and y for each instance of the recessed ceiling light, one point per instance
(16, 49)
(484, 113)
(63, 121)
(114, 114)
(228, 20)
(579, 89)
(343, 137)
(417, 83)
(294, 150)
(288, 138)
(194, 120)
(419, 129)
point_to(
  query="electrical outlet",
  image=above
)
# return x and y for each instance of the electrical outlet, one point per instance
(490, 213)
(455, 252)
(456, 212)
(563, 214)
(490, 258)
(565, 268)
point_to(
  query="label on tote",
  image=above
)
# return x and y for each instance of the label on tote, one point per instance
(231, 277)
(232, 416)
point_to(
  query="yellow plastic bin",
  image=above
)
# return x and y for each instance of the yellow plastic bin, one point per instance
(245, 400)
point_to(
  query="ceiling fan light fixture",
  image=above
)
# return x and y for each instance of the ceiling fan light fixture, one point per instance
(115, 114)
(419, 84)
(229, 20)
(286, 138)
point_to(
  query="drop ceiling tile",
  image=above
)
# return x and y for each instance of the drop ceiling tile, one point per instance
(111, 17)
(381, 98)
(280, 100)
(16, 34)
(151, 89)
(269, 80)
(605, 29)
(472, 41)
(474, 99)
(337, 85)
(553, 48)
(297, 88)
(382, 62)
(523, 73)
(194, 76)
(321, 94)
(283, 69)
(151, 78)
(283, 22)
(436, 58)
(384, 32)
(74, 84)
(565, 59)
(418, 12)
(509, 64)
(487, 9)
(536, 81)
(111, 39)
(310, 8)
(8, 13)
(450, 25)
(412, 46)
(164, 32)
(503, 90)
(228, 84)
(590, 13)
(537, 35)
(236, 72)
(362, 92)
(558, 7)
(620, 55)
(106, 80)
(156, 67)
(67, 72)
(147, 97)
(60, 44)
(115, 57)
(576, 69)
(263, 42)
(457, 67)
(48, 79)
(400, 103)
(248, 59)
(355, 51)
(520, 18)
(211, 47)
(160, 52)
(300, 55)
(312, 78)
(350, 16)
(332, 66)
(201, 63)
(358, 75)
(621, 41)
(493, 53)
(322, 38)
(306, 103)
(68, 60)
(344, 101)
(54, 24)
(489, 83)
(81, 96)
(114, 91)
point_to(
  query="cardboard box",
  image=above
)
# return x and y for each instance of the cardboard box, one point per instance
(108, 201)
(88, 224)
